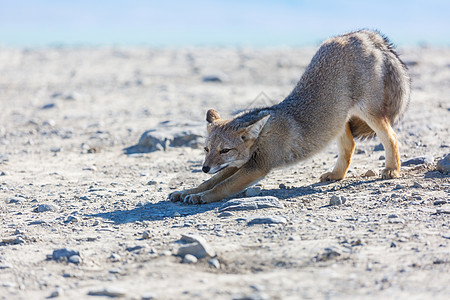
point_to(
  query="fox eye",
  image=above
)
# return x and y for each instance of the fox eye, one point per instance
(206, 149)
(226, 150)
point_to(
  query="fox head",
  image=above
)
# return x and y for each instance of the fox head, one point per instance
(228, 143)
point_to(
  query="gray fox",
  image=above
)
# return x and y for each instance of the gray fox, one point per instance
(356, 86)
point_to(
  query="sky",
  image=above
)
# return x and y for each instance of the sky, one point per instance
(175, 23)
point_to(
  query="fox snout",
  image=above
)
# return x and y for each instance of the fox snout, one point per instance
(206, 169)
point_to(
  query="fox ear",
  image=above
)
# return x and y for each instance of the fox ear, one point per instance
(253, 131)
(212, 115)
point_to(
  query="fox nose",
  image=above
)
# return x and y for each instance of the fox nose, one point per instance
(206, 169)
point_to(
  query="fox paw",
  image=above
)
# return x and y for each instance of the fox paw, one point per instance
(389, 173)
(178, 196)
(330, 176)
(194, 199)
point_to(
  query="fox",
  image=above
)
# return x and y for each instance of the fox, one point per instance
(355, 87)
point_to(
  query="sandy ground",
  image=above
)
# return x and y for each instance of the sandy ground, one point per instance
(67, 114)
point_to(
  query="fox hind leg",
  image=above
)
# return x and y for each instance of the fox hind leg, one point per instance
(346, 147)
(388, 138)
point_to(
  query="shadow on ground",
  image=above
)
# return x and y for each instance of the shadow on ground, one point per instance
(155, 212)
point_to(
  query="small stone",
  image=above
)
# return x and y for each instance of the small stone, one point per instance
(146, 235)
(47, 207)
(392, 216)
(151, 182)
(393, 245)
(115, 257)
(190, 259)
(56, 293)
(378, 147)
(416, 185)
(226, 214)
(399, 187)
(63, 254)
(419, 160)
(253, 191)
(336, 200)
(371, 173)
(251, 203)
(71, 219)
(396, 221)
(216, 77)
(443, 165)
(108, 292)
(12, 241)
(48, 106)
(440, 202)
(135, 248)
(214, 262)
(382, 157)
(75, 259)
(55, 149)
(3, 173)
(196, 246)
(90, 168)
(148, 296)
(267, 220)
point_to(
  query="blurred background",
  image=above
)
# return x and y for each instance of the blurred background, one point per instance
(256, 23)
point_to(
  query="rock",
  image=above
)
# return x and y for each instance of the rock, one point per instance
(148, 296)
(328, 254)
(134, 248)
(336, 200)
(46, 207)
(75, 259)
(378, 147)
(216, 77)
(3, 173)
(253, 191)
(419, 160)
(440, 202)
(48, 106)
(226, 214)
(12, 241)
(251, 203)
(115, 257)
(396, 221)
(169, 134)
(416, 185)
(267, 220)
(64, 254)
(56, 293)
(214, 262)
(443, 165)
(371, 173)
(190, 259)
(146, 235)
(108, 292)
(71, 219)
(196, 246)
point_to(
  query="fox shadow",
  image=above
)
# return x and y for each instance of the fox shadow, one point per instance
(155, 212)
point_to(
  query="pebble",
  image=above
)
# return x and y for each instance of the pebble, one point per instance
(47, 207)
(214, 262)
(63, 254)
(190, 259)
(336, 200)
(253, 191)
(251, 203)
(416, 185)
(75, 259)
(396, 221)
(371, 173)
(108, 292)
(196, 246)
(146, 235)
(148, 296)
(267, 220)
(12, 241)
(378, 147)
(115, 257)
(56, 293)
(226, 214)
(3, 173)
(440, 202)
(419, 160)
(71, 219)
(443, 165)
(216, 77)
(48, 106)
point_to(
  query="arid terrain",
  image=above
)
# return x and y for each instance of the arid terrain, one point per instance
(83, 204)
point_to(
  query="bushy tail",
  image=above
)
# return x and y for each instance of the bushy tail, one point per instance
(396, 93)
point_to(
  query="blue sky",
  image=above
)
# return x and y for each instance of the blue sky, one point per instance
(233, 22)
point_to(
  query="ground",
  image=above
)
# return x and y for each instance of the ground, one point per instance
(67, 114)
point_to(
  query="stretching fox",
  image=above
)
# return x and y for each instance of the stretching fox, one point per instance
(356, 86)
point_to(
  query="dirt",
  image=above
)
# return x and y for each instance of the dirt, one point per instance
(68, 114)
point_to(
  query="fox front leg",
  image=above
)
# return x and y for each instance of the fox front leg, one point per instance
(207, 185)
(244, 177)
